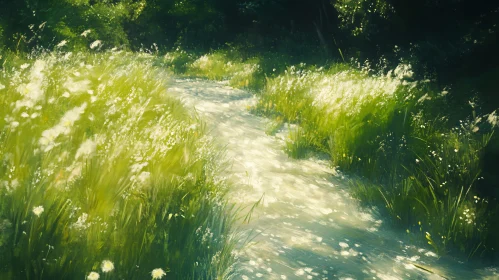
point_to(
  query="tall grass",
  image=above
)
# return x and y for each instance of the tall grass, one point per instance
(219, 65)
(390, 132)
(99, 164)
(394, 133)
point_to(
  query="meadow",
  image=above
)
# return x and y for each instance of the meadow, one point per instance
(103, 175)
(399, 139)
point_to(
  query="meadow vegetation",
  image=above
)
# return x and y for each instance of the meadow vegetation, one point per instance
(393, 133)
(396, 137)
(103, 173)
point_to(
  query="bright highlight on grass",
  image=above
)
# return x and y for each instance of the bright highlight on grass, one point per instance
(98, 163)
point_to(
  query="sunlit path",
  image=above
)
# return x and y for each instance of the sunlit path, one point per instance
(307, 226)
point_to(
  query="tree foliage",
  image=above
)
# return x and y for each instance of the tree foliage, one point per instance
(47, 22)
(450, 38)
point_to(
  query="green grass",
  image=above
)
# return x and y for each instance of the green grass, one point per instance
(389, 132)
(217, 65)
(121, 171)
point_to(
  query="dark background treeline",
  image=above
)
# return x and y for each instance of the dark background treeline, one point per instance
(453, 42)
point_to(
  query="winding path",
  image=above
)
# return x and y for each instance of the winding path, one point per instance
(307, 226)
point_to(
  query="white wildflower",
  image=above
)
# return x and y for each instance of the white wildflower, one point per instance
(81, 223)
(32, 91)
(86, 148)
(143, 177)
(2, 86)
(47, 141)
(85, 33)
(93, 276)
(157, 273)
(38, 210)
(62, 43)
(95, 44)
(71, 116)
(75, 171)
(492, 118)
(107, 266)
(137, 167)
(24, 66)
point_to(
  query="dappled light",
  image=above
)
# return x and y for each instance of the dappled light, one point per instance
(249, 139)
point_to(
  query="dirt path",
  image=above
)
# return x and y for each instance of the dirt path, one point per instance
(308, 226)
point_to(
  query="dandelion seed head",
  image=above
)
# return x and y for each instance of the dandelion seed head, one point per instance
(107, 266)
(93, 276)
